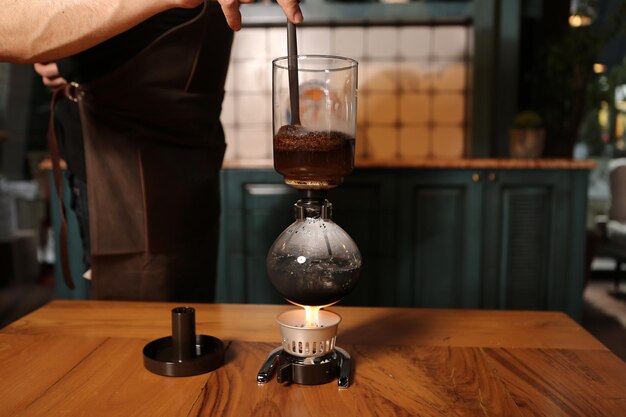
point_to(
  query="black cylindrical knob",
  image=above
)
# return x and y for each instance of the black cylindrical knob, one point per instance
(184, 333)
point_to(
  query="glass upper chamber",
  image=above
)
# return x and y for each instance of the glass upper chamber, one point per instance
(319, 151)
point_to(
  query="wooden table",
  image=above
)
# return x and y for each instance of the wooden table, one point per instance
(84, 358)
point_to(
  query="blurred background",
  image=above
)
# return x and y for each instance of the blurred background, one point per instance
(438, 80)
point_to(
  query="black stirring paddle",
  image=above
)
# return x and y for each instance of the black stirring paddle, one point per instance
(292, 67)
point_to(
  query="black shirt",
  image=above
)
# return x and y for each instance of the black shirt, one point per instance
(98, 61)
(110, 54)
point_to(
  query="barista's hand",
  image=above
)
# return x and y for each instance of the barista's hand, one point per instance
(233, 16)
(50, 74)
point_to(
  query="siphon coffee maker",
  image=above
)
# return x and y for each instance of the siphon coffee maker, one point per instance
(313, 263)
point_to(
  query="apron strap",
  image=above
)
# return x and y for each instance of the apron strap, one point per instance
(56, 169)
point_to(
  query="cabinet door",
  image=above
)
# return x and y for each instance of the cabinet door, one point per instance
(439, 244)
(526, 239)
(364, 207)
(257, 207)
(77, 266)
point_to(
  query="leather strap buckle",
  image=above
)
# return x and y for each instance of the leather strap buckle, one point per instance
(72, 91)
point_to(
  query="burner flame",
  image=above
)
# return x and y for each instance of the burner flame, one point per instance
(312, 314)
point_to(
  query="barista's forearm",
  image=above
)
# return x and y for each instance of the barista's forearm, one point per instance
(46, 30)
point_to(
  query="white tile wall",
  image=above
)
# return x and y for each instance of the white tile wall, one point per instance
(231, 142)
(448, 108)
(380, 76)
(415, 42)
(382, 108)
(413, 88)
(253, 141)
(381, 142)
(361, 108)
(381, 42)
(360, 147)
(415, 108)
(449, 75)
(229, 114)
(250, 43)
(449, 42)
(251, 76)
(229, 85)
(349, 41)
(447, 142)
(415, 75)
(314, 41)
(253, 109)
(414, 142)
(277, 46)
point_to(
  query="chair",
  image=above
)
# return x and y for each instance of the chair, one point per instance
(613, 232)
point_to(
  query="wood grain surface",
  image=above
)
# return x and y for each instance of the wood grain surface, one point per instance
(428, 163)
(427, 381)
(84, 359)
(359, 325)
(29, 366)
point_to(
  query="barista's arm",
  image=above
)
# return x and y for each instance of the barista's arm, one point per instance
(46, 30)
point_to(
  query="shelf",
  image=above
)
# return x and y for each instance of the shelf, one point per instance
(319, 12)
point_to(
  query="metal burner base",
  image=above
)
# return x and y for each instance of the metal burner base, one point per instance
(307, 371)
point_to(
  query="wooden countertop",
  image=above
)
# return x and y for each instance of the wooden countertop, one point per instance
(463, 163)
(468, 163)
(83, 358)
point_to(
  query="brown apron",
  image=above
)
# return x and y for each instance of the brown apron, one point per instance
(154, 147)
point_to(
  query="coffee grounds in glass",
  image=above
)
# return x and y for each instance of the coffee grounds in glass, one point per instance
(313, 159)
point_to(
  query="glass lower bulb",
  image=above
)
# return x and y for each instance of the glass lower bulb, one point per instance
(314, 262)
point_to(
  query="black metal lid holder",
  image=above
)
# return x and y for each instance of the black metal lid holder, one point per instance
(184, 353)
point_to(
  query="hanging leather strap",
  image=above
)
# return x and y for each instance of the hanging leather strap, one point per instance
(56, 169)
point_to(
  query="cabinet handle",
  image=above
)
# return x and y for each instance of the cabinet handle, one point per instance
(492, 176)
(268, 189)
(475, 177)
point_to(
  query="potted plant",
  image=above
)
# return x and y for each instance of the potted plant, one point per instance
(527, 136)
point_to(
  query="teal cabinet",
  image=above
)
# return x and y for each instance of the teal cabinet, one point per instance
(534, 240)
(505, 239)
(82, 287)
(452, 238)
(439, 234)
(256, 207)
(364, 206)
